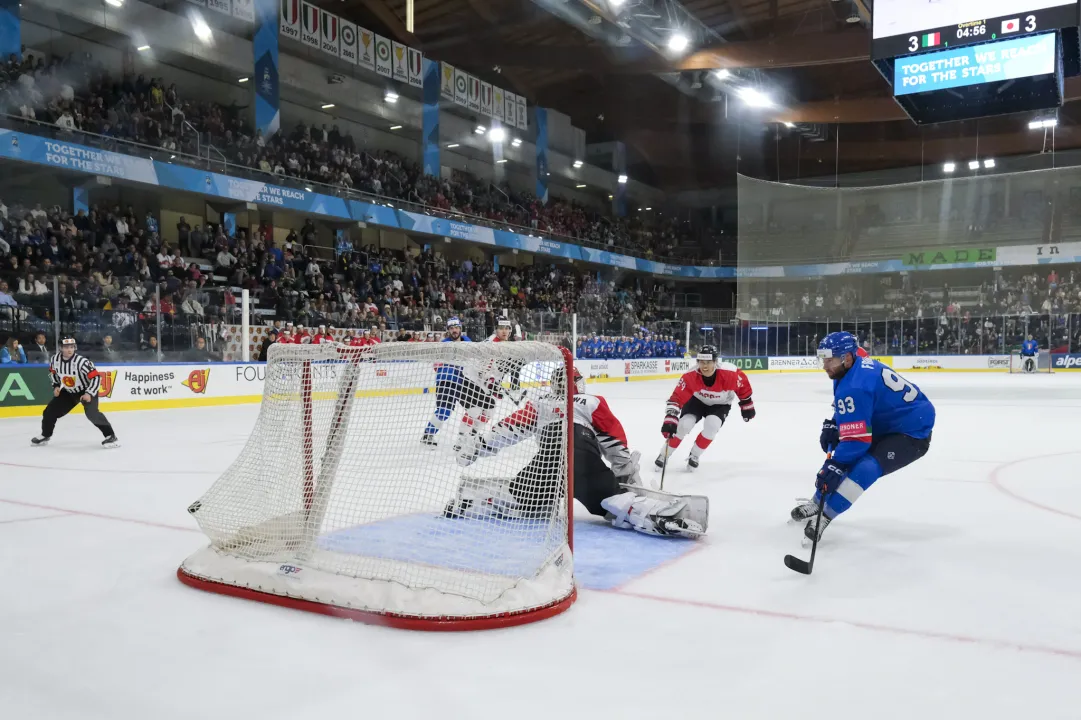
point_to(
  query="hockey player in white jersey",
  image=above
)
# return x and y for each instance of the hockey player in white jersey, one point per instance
(612, 490)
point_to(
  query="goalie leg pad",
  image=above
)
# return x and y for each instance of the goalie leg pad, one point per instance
(658, 513)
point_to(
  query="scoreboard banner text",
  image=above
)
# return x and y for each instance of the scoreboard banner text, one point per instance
(972, 65)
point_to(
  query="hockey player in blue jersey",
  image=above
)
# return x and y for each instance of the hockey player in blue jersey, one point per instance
(1029, 351)
(881, 423)
(449, 385)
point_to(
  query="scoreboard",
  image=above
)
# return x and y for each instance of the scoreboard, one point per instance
(904, 27)
(951, 60)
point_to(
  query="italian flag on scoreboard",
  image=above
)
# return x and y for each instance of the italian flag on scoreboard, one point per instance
(931, 40)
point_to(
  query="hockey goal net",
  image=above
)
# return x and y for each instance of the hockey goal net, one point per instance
(340, 501)
(1039, 363)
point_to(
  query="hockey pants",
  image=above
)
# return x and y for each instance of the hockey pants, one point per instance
(64, 403)
(593, 479)
(887, 454)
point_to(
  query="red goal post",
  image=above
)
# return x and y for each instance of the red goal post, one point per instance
(335, 506)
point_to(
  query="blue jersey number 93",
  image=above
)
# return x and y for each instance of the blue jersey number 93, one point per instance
(898, 384)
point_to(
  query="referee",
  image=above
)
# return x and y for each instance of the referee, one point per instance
(74, 380)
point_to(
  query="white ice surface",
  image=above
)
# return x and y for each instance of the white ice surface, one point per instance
(950, 590)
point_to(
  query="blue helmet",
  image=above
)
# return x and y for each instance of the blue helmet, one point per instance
(838, 344)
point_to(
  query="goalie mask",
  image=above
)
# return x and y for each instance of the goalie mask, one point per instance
(558, 383)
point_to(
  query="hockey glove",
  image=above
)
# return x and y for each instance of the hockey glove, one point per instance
(671, 421)
(830, 476)
(746, 409)
(830, 436)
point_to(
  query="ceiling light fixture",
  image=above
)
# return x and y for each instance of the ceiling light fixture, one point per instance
(516, 142)
(755, 98)
(577, 164)
(949, 167)
(143, 48)
(452, 145)
(579, 186)
(390, 97)
(243, 80)
(973, 164)
(678, 42)
(395, 127)
(622, 180)
(497, 135)
(327, 106)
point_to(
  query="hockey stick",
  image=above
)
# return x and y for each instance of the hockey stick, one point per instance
(794, 563)
(664, 465)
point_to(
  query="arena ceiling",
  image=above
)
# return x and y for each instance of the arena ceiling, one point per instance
(685, 130)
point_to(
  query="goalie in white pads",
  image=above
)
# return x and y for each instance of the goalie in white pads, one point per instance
(612, 490)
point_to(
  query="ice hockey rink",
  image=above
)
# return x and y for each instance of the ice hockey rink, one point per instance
(950, 590)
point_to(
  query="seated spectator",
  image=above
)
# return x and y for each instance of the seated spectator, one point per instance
(12, 353)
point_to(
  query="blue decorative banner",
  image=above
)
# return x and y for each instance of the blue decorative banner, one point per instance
(541, 116)
(430, 118)
(80, 199)
(228, 224)
(974, 64)
(265, 49)
(10, 29)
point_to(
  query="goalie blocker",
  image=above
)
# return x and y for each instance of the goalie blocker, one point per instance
(614, 492)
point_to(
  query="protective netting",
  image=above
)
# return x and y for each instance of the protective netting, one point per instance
(426, 480)
(947, 265)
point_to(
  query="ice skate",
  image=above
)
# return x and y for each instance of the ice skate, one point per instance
(110, 442)
(692, 462)
(39, 441)
(429, 440)
(807, 508)
(809, 530)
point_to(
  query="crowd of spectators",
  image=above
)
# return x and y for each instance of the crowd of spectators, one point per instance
(76, 94)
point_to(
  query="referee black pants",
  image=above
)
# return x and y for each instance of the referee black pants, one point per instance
(64, 403)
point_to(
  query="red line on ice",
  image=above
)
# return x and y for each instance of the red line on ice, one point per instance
(101, 516)
(927, 634)
(996, 482)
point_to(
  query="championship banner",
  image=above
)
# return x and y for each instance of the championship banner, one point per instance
(510, 108)
(348, 44)
(265, 48)
(225, 7)
(542, 155)
(400, 68)
(309, 25)
(461, 87)
(10, 28)
(446, 83)
(523, 114)
(497, 103)
(486, 98)
(474, 94)
(416, 67)
(244, 10)
(430, 94)
(365, 48)
(290, 19)
(329, 41)
(383, 64)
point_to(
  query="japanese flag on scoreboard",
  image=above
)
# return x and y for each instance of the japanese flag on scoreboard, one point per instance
(446, 81)
(383, 64)
(497, 103)
(416, 63)
(486, 98)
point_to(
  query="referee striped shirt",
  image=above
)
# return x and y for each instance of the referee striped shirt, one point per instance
(75, 375)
